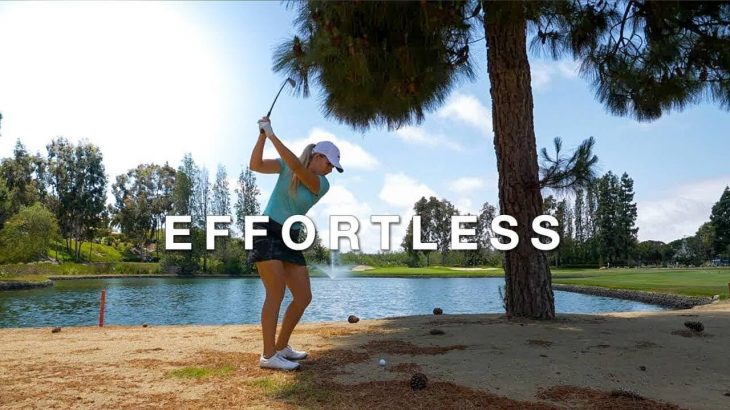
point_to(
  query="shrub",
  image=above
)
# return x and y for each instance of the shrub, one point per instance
(28, 234)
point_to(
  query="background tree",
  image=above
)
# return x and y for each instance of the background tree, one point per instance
(442, 211)
(627, 218)
(221, 197)
(247, 193)
(482, 255)
(427, 210)
(705, 240)
(387, 63)
(22, 175)
(184, 200)
(162, 199)
(5, 203)
(720, 218)
(76, 177)
(28, 234)
(616, 219)
(203, 208)
(143, 196)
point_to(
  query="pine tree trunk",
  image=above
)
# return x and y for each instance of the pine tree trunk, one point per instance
(527, 273)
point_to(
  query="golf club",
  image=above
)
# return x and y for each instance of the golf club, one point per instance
(290, 82)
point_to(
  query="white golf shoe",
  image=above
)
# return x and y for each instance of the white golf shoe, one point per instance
(291, 354)
(277, 361)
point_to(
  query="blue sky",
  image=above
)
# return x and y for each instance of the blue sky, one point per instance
(147, 82)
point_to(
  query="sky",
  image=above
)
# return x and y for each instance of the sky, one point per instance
(148, 82)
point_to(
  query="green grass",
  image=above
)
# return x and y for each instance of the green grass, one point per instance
(99, 252)
(202, 372)
(690, 282)
(433, 271)
(301, 390)
(681, 281)
(41, 271)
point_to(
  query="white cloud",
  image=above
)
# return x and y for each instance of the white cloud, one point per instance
(467, 185)
(466, 206)
(402, 191)
(341, 201)
(543, 72)
(419, 136)
(680, 212)
(469, 109)
(352, 155)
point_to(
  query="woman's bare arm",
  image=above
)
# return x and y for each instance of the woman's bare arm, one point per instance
(258, 163)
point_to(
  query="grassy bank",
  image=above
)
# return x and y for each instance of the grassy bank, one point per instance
(433, 271)
(686, 281)
(690, 282)
(38, 272)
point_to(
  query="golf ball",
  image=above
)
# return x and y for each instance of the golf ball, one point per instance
(382, 362)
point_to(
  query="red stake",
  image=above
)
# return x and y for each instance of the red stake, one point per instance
(101, 308)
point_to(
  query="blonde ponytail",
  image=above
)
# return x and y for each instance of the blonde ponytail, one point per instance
(305, 159)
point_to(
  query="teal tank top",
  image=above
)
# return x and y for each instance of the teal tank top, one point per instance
(282, 205)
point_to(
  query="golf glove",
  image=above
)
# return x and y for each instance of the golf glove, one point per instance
(265, 125)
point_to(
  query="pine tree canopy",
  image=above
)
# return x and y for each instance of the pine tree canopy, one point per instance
(643, 57)
(387, 63)
(379, 63)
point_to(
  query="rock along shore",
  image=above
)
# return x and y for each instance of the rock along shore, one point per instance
(18, 285)
(654, 298)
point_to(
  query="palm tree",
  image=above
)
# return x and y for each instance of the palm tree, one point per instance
(388, 63)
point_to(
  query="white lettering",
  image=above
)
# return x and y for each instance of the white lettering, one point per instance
(171, 233)
(498, 230)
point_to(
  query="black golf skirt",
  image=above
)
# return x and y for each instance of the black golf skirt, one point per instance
(272, 246)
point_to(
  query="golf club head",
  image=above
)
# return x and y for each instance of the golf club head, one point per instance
(289, 81)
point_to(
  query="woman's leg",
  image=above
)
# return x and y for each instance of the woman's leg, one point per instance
(272, 274)
(297, 280)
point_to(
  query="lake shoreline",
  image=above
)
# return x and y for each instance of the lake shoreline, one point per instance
(22, 284)
(668, 300)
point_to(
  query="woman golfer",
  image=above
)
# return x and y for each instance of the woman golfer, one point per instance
(300, 185)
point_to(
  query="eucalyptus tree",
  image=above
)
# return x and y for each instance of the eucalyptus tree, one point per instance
(22, 175)
(247, 202)
(388, 63)
(221, 197)
(482, 235)
(143, 195)
(78, 184)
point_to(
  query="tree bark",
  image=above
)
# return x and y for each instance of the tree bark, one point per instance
(526, 269)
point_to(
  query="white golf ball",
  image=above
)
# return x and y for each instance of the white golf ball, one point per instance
(382, 362)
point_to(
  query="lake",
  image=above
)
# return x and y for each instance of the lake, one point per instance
(177, 301)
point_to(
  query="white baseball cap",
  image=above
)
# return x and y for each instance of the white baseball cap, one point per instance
(330, 151)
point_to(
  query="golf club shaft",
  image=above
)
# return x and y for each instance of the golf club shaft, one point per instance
(275, 98)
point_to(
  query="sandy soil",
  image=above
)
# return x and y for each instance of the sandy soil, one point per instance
(629, 360)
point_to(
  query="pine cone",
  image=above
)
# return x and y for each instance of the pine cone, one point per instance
(353, 319)
(419, 381)
(437, 311)
(695, 326)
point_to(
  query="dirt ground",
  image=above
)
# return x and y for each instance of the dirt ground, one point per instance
(620, 360)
